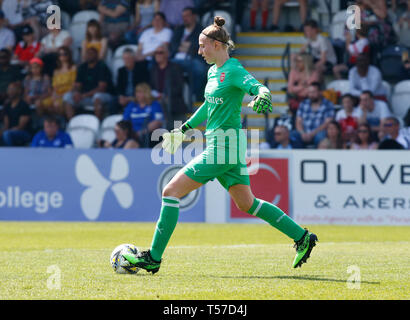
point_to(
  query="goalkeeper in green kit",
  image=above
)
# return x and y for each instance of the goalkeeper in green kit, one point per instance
(224, 160)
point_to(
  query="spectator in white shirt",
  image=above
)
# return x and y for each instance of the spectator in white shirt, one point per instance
(50, 45)
(372, 111)
(153, 38)
(7, 38)
(319, 47)
(365, 77)
(390, 129)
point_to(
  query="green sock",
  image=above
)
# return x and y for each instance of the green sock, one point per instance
(165, 226)
(276, 218)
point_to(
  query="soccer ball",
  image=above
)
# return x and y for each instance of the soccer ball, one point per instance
(116, 258)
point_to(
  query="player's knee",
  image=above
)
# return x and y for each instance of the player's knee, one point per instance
(244, 206)
(169, 191)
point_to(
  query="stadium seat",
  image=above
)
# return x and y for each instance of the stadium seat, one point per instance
(208, 17)
(86, 121)
(107, 127)
(82, 138)
(85, 15)
(65, 20)
(400, 100)
(390, 63)
(339, 85)
(337, 28)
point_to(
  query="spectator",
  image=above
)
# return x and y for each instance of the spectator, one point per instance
(37, 87)
(93, 86)
(365, 77)
(131, 74)
(17, 118)
(374, 16)
(390, 130)
(145, 114)
(372, 111)
(406, 67)
(115, 19)
(26, 49)
(37, 12)
(88, 4)
(333, 138)
(277, 7)
(301, 76)
(50, 44)
(324, 56)
(173, 11)
(282, 139)
(348, 118)
(364, 139)
(144, 13)
(263, 5)
(7, 38)
(124, 137)
(8, 73)
(313, 116)
(94, 39)
(51, 136)
(403, 26)
(184, 51)
(360, 46)
(17, 17)
(63, 79)
(167, 80)
(153, 37)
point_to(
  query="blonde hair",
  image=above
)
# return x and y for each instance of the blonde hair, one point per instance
(217, 32)
(146, 89)
(307, 62)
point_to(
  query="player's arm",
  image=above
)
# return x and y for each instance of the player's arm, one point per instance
(173, 139)
(263, 98)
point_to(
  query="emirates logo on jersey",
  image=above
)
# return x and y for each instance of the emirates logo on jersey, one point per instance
(222, 77)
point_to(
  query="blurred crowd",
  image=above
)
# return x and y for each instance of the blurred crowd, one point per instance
(47, 77)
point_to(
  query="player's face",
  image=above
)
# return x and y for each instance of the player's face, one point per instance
(206, 49)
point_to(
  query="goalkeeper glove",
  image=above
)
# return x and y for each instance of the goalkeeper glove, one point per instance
(173, 139)
(262, 102)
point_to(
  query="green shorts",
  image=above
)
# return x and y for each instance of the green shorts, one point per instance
(224, 159)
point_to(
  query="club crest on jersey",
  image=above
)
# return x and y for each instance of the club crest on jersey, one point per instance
(222, 77)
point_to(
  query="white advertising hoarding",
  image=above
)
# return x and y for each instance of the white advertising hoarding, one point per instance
(351, 187)
(326, 187)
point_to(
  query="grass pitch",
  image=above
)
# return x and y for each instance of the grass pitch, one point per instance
(71, 261)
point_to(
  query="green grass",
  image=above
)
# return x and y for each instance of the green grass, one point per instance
(203, 262)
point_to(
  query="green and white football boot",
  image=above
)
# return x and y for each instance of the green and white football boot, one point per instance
(141, 260)
(303, 248)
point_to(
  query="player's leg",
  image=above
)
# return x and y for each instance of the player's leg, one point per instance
(179, 186)
(246, 202)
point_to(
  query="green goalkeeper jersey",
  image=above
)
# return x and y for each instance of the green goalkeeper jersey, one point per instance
(224, 94)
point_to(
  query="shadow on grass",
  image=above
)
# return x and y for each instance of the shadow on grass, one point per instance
(306, 278)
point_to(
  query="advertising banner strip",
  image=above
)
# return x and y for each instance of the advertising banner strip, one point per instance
(87, 185)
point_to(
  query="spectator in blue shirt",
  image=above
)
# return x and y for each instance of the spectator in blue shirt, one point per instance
(115, 19)
(145, 114)
(51, 136)
(313, 116)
